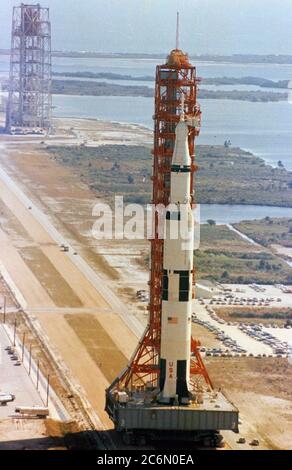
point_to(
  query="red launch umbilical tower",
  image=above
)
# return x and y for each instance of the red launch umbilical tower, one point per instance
(176, 82)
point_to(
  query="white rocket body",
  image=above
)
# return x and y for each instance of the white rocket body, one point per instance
(176, 317)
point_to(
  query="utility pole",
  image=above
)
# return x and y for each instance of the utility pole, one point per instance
(14, 332)
(48, 390)
(23, 341)
(4, 309)
(38, 375)
(29, 366)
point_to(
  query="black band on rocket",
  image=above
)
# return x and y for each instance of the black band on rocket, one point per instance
(180, 169)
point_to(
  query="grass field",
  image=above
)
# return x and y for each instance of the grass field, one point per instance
(232, 267)
(95, 88)
(51, 280)
(98, 344)
(268, 231)
(265, 315)
(225, 257)
(225, 175)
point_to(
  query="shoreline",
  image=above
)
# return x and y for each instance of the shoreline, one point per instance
(111, 140)
(69, 86)
(151, 129)
(99, 132)
(79, 87)
(236, 59)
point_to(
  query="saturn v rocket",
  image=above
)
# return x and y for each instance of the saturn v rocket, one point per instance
(176, 317)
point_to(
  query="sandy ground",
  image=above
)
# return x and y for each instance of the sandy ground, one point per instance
(283, 250)
(23, 434)
(36, 290)
(93, 132)
(262, 391)
(6, 297)
(63, 196)
(28, 289)
(206, 338)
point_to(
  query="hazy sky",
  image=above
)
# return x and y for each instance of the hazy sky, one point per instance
(207, 26)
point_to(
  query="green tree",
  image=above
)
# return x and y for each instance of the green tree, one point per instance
(211, 222)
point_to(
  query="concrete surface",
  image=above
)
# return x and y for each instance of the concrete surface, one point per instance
(15, 380)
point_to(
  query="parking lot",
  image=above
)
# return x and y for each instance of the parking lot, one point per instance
(253, 295)
(239, 338)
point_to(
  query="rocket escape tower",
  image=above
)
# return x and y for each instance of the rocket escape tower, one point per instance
(29, 102)
(176, 82)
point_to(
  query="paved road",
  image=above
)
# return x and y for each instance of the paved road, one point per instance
(57, 410)
(85, 283)
(242, 235)
(283, 334)
(44, 232)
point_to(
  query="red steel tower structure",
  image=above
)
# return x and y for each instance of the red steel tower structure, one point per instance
(176, 83)
(29, 102)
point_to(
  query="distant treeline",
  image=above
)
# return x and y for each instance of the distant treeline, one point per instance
(95, 88)
(91, 88)
(243, 95)
(78, 87)
(244, 179)
(104, 75)
(235, 58)
(258, 81)
(261, 82)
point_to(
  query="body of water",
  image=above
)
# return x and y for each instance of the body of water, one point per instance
(151, 84)
(231, 214)
(262, 128)
(142, 67)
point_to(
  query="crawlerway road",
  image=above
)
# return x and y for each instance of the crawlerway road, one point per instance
(88, 286)
(76, 259)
